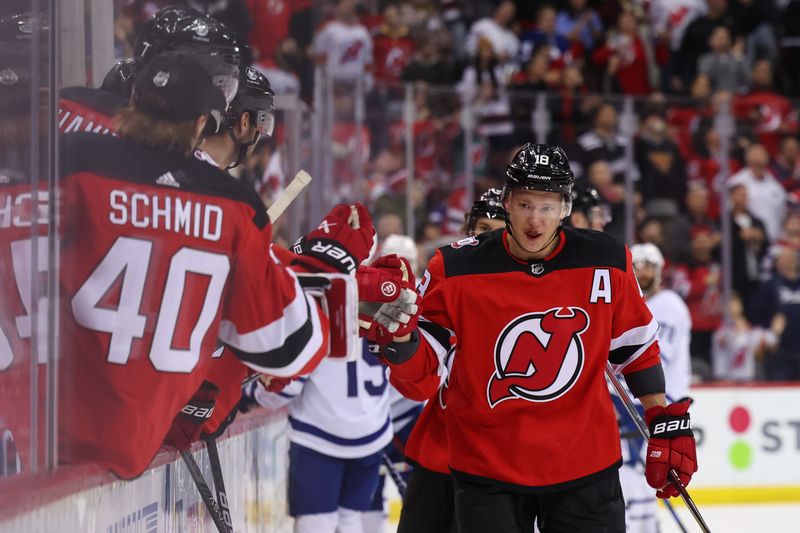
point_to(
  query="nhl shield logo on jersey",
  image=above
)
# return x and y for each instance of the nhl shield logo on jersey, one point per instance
(538, 356)
(469, 241)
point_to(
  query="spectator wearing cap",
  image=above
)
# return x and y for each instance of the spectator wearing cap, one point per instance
(749, 243)
(172, 101)
(698, 282)
(725, 64)
(496, 30)
(766, 197)
(780, 295)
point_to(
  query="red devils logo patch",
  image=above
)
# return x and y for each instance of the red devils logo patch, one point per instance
(538, 356)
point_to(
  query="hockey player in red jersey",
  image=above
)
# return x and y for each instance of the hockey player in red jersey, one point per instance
(536, 312)
(428, 504)
(163, 254)
(174, 28)
(250, 116)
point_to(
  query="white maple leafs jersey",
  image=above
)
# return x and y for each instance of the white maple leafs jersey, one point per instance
(674, 334)
(341, 409)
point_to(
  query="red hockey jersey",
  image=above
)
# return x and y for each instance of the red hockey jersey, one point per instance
(527, 404)
(83, 109)
(23, 316)
(162, 255)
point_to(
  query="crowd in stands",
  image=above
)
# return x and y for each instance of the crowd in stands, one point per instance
(685, 62)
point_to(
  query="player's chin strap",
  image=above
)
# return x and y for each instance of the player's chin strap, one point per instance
(243, 147)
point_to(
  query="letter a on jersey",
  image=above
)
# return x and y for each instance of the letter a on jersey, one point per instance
(538, 356)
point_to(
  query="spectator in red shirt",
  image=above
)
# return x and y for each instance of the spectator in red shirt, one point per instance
(698, 282)
(770, 114)
(393, 48)
(270, 26)
(624, 57)
(684, 117)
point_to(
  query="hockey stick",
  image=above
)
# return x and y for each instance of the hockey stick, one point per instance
(287, 196)
(205, 492)
(219, 481)
(674, 479)
(394, 474)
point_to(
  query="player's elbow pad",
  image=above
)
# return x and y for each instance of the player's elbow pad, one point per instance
(647, 381)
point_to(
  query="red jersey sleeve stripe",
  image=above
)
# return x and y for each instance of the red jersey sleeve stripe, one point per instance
(635, 336)
(265, 349)
(634, 352)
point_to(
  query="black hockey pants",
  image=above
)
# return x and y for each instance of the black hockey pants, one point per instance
(597, 507)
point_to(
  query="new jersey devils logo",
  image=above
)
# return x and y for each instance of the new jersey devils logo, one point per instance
(538, 356)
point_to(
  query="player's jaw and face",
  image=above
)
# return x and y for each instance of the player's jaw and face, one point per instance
(646, 276)
(534, 217)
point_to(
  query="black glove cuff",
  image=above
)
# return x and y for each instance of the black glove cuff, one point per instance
(669, 427)
(399, 352)
(329, 252)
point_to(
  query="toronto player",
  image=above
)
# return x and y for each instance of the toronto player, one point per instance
(162, 255)
(532, 433)
(428, 505)
(339, 423)
(180, 29)
(674, 331)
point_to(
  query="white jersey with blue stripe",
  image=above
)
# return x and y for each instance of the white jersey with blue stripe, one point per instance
(674, 334)
(341, 409)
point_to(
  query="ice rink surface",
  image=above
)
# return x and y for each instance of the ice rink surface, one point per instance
(739, 518)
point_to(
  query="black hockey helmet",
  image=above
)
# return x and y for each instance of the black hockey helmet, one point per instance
(489, 205)
(17, 73)
(255, 96)
(584, 199)
(540, 167)
(186, 30)
(119, 80)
